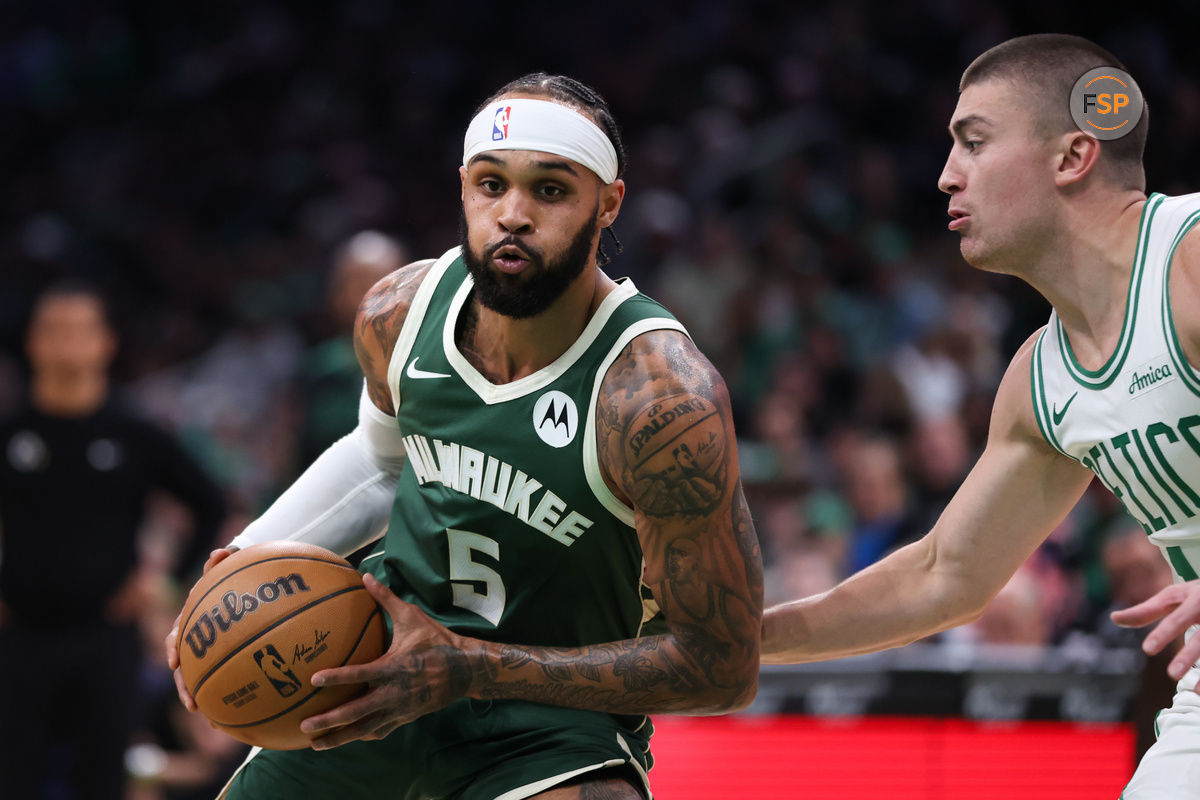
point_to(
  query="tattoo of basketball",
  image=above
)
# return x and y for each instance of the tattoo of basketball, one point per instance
(675, 452)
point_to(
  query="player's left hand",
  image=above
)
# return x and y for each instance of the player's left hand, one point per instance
(423, 670)
(1178, 606)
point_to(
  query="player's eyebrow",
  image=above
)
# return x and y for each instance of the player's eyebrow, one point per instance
(547, 164)
(565, 166)
(959, 126)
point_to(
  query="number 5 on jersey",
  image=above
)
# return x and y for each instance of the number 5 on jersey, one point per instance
(466, 573)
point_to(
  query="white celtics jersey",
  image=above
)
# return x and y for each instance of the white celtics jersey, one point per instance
(1135, 422)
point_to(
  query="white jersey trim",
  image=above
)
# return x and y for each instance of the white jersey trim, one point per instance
(413, 320)
(1102, 377)
(225, 789)
(530, 789)
(591, 461)
(491, 393)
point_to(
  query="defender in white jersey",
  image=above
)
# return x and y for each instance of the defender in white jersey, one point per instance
(1109, 388)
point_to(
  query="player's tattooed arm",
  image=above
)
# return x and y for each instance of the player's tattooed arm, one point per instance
(666, 447)
(380, 317)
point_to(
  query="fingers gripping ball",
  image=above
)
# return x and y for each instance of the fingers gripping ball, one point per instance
(258, 626)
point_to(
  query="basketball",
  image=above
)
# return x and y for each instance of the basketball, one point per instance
(257, 627)
(674, 448)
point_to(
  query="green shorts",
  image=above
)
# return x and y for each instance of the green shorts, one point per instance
(471, 750)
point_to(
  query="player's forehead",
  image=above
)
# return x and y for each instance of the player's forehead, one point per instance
(996, 104)
(527, 161)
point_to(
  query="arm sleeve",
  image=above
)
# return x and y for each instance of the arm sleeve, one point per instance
(342, 501)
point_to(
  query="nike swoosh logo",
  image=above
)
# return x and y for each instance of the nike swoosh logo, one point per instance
(1058, 415)
(420, 374)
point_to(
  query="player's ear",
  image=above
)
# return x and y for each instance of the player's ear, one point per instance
(611, 197)
(1076, 158)
(462, 177)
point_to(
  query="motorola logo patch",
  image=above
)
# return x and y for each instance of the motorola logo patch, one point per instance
(555, 418)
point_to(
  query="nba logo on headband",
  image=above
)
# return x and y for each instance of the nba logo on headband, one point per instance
(500, 124)
(542, 126)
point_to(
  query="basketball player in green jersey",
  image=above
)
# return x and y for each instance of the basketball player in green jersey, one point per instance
(1033, 196)
(564, 443)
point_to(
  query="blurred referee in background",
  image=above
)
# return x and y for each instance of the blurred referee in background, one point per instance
(76, 470)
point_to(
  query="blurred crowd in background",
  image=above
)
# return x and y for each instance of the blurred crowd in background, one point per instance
(235, 175)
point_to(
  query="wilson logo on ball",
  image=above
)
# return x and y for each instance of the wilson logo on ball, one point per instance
(234, 607)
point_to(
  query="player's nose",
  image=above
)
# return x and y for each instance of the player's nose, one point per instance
(515, 212)
(951, 180)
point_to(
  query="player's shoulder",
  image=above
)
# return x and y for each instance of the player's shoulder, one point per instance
(664, 427)
(660, 363)
(385, 306)
(381, 316)
(393, 294)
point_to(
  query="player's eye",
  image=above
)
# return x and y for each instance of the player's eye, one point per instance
(491, 185)
(552, 191)
(971, 144)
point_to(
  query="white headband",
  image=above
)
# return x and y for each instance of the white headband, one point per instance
(526, 124)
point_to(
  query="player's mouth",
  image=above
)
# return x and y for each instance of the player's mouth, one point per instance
(958, 219)
(510, 259)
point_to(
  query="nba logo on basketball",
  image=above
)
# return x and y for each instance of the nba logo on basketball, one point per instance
(276, 670)
(500, 124)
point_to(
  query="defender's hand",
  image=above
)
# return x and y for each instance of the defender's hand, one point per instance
(424, 669)
(172, 640)
(1178, 606)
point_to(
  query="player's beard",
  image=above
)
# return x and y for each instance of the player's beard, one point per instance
(535, 288)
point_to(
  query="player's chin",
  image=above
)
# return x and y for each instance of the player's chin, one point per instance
(973, 251)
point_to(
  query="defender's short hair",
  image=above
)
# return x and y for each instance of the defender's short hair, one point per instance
(1049, 64)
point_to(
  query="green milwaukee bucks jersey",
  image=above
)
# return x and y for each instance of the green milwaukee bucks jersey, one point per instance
(503, 527)
(1135, 422)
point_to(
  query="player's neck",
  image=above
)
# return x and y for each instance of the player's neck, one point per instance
(508, 349)
(78, 395)
(1085, 273)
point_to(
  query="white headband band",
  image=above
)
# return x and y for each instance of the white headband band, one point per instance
(527, 124)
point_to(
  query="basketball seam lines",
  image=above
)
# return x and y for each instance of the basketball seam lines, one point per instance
(672, 440)
(234, 651)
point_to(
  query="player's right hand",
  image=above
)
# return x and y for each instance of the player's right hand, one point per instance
(172, 641)
(1178, 606)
